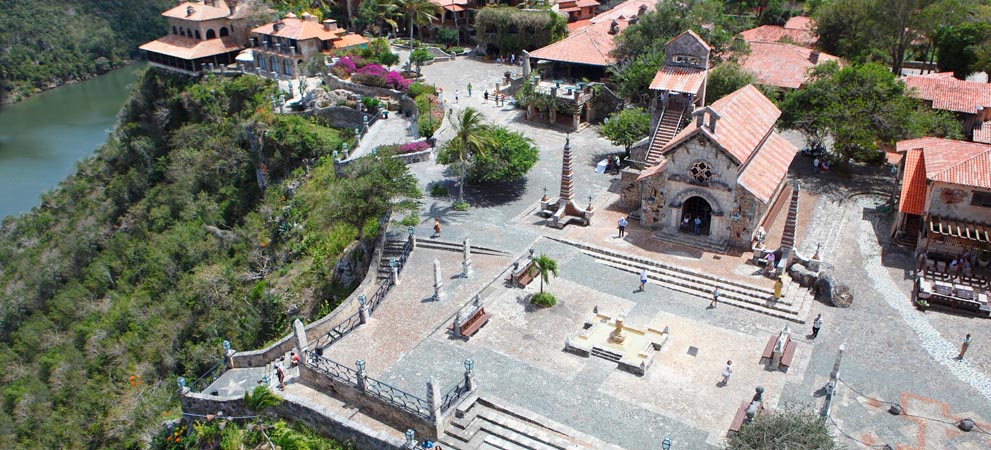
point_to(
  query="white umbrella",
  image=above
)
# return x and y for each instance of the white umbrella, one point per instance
(601, 166)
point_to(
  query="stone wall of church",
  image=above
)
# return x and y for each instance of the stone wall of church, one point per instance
(664, 195)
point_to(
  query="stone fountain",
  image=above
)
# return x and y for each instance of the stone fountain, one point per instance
(610, 338)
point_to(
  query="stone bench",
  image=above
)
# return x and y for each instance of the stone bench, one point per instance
(523, 277)
(741, 416)
(786, 357)
(475, 322)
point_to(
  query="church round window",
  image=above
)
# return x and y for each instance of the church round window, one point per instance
(700, 171)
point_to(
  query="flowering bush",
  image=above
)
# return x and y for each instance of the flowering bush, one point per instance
(396, 81)
(373, 70)
(347, 64)
(413, 147)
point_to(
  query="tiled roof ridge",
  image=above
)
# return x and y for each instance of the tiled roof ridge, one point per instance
(978, 154)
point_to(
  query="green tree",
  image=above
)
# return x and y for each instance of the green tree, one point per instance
(372, 186)
(511, 30)
(419, 12)
(626, 127)
(260, 399)
(789, 428)
(419, 57)
(957, 48)
(861, 106)
(725, 79)
(511, 156)
(472, 139)
(447, 36)
(546, 266)
(633, 77)
(376, 14)
(653, 29)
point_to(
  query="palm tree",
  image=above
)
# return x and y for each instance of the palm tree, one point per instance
(261, 399)
(471, 140)
(419, 12)
(546, 266)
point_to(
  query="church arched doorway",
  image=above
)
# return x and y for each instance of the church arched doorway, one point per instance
(697, 207)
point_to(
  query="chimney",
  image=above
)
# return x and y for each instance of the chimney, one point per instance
(278, 25)
(189, 11)
(232, 5)
(699, 115)
(814, 57)
(330, 24)
(642, 10)
(713, 118)
(614, 27)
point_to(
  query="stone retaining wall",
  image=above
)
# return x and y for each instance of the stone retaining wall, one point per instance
(369, 91)
(337, 116)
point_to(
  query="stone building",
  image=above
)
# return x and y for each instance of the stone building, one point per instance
(727, 167)
(969, 101)
(945, 203)
(280, 47)
(200, 34)
(677, 87)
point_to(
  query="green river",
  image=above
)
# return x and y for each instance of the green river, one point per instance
(41, 138)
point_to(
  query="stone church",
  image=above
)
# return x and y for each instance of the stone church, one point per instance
(726, 167)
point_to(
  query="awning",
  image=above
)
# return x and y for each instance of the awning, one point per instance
(246, 56)
(979, 233)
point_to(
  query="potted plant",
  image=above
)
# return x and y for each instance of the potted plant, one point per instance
(922, 305)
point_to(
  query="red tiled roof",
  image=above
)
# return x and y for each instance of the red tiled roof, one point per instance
(781, 65)
(800, 23)
(588, 46)
(745, 118)
(578, 24)
(586, 3)
(913, 197)
(982, 132)
(950, 94)
(298, 29)
(951, 161)
(454, 8)
(188, 48)
(678, 79)
(762, 175)
(653, 170)
(628, 10)
(200, 11)
(774, 33)
(349, 40)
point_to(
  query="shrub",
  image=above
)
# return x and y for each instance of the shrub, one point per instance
(447, 36)
(396, 81)
(411, 220)
(460, 206)
(346, 64)
(456, 50)
(371, 103)
(413, 147)
(437, 189)
(417, 89)
(543, 299)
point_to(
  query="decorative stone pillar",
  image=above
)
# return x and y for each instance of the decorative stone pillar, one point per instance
(299, 333)
(362, 375)
(362, 310)
(433, 397)
(470, 375)
(466, 263)
(395, 271)
(438, 282)
(552, 113)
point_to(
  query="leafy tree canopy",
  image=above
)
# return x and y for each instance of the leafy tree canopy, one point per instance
(511, 156)
(626, 127)
(958, 47)
(790, 428)
(511, 30)
(725, 79)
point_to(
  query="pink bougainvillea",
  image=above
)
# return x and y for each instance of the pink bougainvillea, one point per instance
(347, 64)
(396, 81)
(414, 147)
(372, 70)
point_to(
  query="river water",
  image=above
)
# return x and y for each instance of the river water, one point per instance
(41, 138)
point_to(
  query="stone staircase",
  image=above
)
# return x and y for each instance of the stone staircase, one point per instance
(437, 244)
(393, 248)
(667, 128)
(794, 306)
(791, 224)
(490, 423)
(606, 354)
(691, 240)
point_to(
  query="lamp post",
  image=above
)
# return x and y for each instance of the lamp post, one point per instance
(181, 381)
(666, 443)
(360, 365)
(410, 438)
(344, 147)
(469, 366)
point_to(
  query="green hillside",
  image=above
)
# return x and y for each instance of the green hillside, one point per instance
(161, 246)
(46, 43)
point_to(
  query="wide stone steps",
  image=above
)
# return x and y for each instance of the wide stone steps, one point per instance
(691, 240)
(607, 355)
(791, 307)
(437, 244)
(490, 423)
(393, 248)
(666, 129)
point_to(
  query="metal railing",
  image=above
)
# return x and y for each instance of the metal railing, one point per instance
(451, 398)
(208, 377)
(398, 397)
(332, 369)
(342, 329)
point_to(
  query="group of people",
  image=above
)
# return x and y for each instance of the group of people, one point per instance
(280, 373)
(511, 59)
(693, 224)
(820, 164)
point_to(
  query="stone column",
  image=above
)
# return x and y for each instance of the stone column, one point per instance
(362, 310)
(362, 376)
(466, 263)
(299, 333)
(433, 397)
(395, 274)
(470, 380)
(438, 283)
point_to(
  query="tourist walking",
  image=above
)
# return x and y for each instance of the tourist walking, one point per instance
(622, 226)
(436, 227)
(770, 262)
(715, 298)
(469, 89)
(643, 278)
(727, 371)
(485, 96)
(698, 225)
(816, 325)
(282, 377)
(457, 95)
(963, 347)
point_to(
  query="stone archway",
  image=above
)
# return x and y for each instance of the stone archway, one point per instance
(697, 207)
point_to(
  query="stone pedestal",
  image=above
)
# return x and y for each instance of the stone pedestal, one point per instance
(438, 281)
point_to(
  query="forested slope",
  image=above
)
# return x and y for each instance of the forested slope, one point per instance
(46, 43)
(161, 246)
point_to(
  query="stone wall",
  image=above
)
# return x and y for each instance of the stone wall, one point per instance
(369, 91)
(954, 201)
(203, 404)
(337, 116)
(381, 410)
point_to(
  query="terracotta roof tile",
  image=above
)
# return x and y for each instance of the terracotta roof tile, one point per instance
(951, 161)
(913, 196)
(762, 175)
(774, 33)
(982, 132)
(299, 29)
(653, 170)
(586, 3)
(800, 23)
(350, 40)
(200, 11)
(950, 94)
(188, 48)
(628, 9)
(746, 117)
(781, 65)
(588, 46)
(578, 24)
(678, 79)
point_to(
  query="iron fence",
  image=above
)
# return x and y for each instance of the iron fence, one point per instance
(379, 295)
(398, 397)
(451, 398)
(208, 377)
(342, 329)
(333, 369)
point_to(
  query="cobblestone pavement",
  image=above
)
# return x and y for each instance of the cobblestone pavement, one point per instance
(892, 352)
